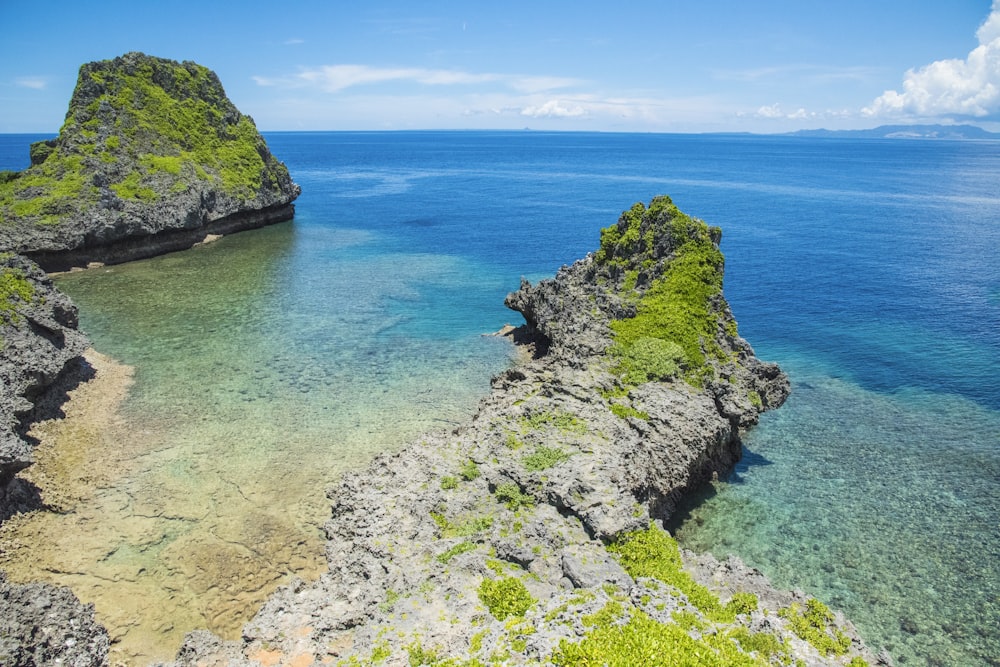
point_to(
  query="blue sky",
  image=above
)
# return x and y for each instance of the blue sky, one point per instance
(664, 66)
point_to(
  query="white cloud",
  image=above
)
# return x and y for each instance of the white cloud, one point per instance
(770, 111)
(294, 41)
(969, 87)
(34, 82)
(335, 78)
(553, 109)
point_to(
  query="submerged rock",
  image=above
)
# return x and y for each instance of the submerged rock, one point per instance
(152, 157)
(530, 535)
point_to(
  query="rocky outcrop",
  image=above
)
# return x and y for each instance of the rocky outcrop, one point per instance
(48, 625)
(40, 360)
(41, 354)
(531, 534)
(152, 157)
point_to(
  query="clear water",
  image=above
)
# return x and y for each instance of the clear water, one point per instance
(868, 269)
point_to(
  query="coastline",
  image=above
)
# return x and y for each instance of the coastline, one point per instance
(560, 461)
(530, 531)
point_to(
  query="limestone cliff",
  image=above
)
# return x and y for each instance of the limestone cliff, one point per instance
(152, 157)
(39, 344)
(530, 535)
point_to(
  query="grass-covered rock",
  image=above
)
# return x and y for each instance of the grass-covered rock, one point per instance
(152, 156)
(531, 535)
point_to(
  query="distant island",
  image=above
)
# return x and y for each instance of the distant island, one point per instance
(950, 132)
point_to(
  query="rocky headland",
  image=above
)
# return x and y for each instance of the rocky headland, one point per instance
(152, 157)
(532, 534)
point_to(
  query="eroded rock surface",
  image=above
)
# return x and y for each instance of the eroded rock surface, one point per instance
(47, 625)
(152, 157)
(530, 535)
(41, 351)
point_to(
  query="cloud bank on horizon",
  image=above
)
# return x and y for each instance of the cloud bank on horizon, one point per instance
(947, 90)
(644, 65)
(952, 87)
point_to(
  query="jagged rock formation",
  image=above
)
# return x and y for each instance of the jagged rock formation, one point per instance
(41, 358)
(48, 625)
(152, 157)
(529, 535)
(41, 346)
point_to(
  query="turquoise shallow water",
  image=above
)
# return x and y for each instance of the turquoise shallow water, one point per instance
(866, 268)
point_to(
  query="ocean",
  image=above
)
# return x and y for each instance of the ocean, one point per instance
(272, 361)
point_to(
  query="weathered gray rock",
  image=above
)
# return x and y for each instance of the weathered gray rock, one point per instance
(44, 625)
(41, 352)
(152, 157)
(531, 490)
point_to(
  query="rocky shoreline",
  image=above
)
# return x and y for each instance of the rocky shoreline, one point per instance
(531, 534)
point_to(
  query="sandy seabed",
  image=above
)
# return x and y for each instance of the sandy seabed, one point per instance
(103, 533)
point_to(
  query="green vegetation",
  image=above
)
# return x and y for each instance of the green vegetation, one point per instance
(644, 641)
(418, 655)
(743, 603)
(677, 317)
(626, 411)
(649, 359)
(511, 495)
(505, 597)
(469, 470)
(563, 422)
(165, 122)
(46, 191)
(544, 457)
(15, 290)
(465, 528)
(653, 553)
(460, 548)
(755, 399)
(815, 625)
(448, 482)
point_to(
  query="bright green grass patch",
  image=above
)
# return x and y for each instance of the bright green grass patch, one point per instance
(15, 290)
(511, 495)
(544, 457)
(460, 548)
(644, 641)
(505, 597)
(676, 319)
(464, 528)
(132, 188)
(45, 191)
(626, 411)
(653, 553)
(563, 422)
(469, 470)
(814, 624)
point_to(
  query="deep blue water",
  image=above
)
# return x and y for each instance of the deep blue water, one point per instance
(868, 268)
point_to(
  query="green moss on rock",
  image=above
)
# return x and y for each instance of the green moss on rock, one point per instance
(505, 597)
(140, 130)
(676, 321)
(15, 292)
